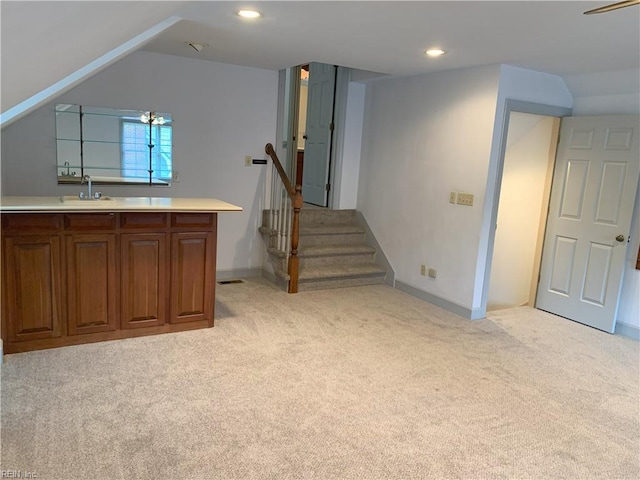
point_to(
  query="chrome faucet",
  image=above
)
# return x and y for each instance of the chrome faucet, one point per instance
(86, 179)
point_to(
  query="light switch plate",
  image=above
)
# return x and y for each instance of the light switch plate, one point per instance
(247, 160)
(465, 199)
(452, 197)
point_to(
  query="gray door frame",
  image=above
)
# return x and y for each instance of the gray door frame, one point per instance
(511, 105)
(335, 167)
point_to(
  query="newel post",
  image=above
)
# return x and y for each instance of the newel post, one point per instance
(294, 261)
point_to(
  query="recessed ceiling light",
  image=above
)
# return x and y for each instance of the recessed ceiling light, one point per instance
(249, 14)
(435, 52)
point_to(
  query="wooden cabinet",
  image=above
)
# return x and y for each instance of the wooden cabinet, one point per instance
(192, 266)
(299, 166)
(31, 304)
(143, 277)
(91, 283)
(87, 277)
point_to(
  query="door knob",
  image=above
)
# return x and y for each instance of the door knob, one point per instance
(620, 238)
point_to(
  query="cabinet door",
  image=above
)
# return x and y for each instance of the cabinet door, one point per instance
(192, 276)
(144, 272)
(31, 304)
(91, 283)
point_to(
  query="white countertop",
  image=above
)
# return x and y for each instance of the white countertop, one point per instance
(114, 204)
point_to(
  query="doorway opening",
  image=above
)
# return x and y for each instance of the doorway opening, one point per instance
(310, 93)
(529, 158)
(582, 235)
(301, 135)
(511, 106)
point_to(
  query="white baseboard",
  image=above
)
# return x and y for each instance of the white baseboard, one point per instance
(627, 330)
(439, 302)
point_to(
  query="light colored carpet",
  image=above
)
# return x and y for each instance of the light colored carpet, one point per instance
(357, 383)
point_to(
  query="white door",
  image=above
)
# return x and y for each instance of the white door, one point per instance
(594, 187)
(317, 147)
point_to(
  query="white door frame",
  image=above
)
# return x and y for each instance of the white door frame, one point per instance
(340, 114)
(320, 126)
(339, 119)
(511, 105)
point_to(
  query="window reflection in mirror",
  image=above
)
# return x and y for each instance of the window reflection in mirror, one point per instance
(113, 146)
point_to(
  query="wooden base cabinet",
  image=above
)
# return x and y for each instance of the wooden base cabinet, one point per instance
(144, 274)
(192, 267)
(72, 278)
(91, 283)
(32, 296)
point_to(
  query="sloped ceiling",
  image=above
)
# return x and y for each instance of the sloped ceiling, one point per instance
(43, 42)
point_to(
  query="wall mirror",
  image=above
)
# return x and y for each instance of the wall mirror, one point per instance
(113, 146)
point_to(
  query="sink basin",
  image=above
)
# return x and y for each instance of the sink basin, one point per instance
(73, 199)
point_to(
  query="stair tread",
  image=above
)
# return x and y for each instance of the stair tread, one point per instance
(267, 230)
(307, 208)
(283, 275)
(276, 252)
(332, 251)
(328, 250)
(330, 228)
(340, 271)
(322, 217)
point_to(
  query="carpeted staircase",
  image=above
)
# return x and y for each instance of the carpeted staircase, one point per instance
(333, 251)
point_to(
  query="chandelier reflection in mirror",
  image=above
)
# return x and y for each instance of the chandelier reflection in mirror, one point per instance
(155, 136)
(152, 117)
(113, 146)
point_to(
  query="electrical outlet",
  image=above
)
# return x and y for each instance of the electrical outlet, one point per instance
(433, 273)
(452, 197)
(423, 270)
(465, 199)
(247, 160)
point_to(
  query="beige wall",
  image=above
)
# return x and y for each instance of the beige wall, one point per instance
(523, 194)
(302, 115)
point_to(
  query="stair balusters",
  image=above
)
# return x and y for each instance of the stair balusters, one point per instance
(286, 202)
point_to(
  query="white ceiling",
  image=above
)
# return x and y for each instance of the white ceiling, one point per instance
(390, 37)
(45, 43)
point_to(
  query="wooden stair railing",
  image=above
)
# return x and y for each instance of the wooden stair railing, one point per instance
(295, 194)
